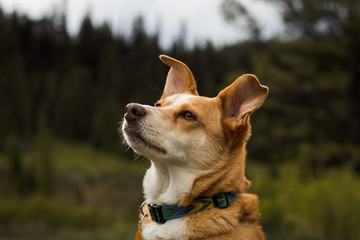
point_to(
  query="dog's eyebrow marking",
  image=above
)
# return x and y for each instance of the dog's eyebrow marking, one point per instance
(179, 99)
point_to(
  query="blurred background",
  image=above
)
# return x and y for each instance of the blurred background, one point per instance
(68, 68)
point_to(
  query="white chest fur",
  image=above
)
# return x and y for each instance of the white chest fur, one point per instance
(173, 229)
(166, 184)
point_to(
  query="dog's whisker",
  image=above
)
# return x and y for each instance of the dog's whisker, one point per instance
(158, 90)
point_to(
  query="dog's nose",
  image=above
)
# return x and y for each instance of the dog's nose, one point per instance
(134, 111)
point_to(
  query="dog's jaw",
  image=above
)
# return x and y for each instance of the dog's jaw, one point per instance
(134, 137)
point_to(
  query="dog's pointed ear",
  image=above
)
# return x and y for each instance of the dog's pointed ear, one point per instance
(242, 98)
(179, 79)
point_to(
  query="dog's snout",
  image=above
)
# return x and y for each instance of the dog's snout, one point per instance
(134, 111)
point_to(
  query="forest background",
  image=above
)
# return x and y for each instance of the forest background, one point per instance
(65, 174)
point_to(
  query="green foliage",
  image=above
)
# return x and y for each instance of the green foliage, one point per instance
(94, 195)
(80, 86)
(297, 205)
(97, 197)
(54, 212)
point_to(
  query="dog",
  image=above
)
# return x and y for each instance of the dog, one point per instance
(195, 187)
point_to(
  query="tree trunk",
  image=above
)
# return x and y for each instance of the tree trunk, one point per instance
(354, 101)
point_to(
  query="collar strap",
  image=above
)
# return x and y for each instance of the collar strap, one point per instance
(160, 214)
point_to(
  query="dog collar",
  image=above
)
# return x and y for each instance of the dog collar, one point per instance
(160, 214)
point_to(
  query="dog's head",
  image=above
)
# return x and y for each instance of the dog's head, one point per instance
(186, 129)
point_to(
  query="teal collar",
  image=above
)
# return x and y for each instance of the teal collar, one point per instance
(160, 214)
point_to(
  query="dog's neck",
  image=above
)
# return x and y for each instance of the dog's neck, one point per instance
(166, 184)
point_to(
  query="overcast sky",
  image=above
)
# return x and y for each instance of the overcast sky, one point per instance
(202, 18)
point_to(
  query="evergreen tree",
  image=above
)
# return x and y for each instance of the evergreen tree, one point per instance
(334, 27)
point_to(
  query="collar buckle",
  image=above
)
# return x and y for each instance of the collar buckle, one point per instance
(221, 200)
(156, 213)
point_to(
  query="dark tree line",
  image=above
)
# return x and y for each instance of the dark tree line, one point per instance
(77, 86)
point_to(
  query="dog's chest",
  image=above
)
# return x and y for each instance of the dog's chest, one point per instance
(166, 186)
(174, 229)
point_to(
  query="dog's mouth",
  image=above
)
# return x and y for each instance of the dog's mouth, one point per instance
(136, 138)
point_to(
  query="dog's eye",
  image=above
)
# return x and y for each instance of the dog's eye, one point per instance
(188, 115)
(157, 104)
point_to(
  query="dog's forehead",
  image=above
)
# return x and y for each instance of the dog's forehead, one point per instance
(198, 103)
(178, 99)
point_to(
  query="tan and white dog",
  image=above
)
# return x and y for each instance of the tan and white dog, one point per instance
(196, 146)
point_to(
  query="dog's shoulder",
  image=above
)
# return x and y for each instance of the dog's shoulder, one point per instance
(249, 210)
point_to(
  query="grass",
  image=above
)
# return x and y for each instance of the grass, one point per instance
(297, 205)
(93, 162)
(97, 194)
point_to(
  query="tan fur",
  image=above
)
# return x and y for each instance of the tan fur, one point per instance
(225, 124)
